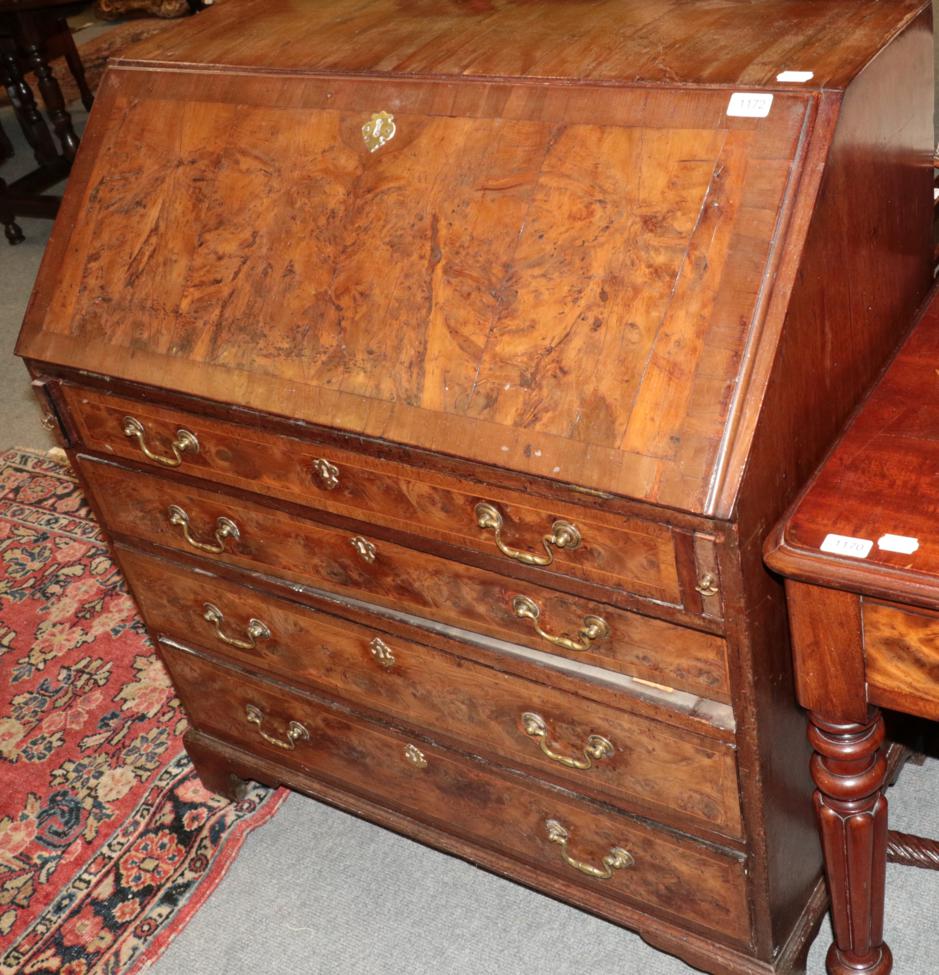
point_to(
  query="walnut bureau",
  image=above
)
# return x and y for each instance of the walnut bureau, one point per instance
(437, 369)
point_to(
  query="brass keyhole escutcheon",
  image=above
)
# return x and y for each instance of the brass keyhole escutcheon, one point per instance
(382, 653)
(379, 130)
(415, 756)
(326, 473)
(364, 548)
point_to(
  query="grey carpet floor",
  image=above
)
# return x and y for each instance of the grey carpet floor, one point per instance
(317, 892)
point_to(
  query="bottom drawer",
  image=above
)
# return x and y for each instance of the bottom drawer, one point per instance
(662, 871)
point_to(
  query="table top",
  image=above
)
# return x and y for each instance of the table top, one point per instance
(723, 42)
(868, 521)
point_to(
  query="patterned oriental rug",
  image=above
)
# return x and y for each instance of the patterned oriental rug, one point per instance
(108, 841)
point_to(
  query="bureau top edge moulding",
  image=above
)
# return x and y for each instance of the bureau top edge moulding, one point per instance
(597, 263)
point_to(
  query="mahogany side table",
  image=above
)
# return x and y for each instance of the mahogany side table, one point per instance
(860, 553)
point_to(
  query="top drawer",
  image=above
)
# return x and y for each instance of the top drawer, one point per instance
(614, 552)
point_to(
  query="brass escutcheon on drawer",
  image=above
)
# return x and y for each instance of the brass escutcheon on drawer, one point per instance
(363, 548)
(594, 627)
(382, 652)
(326, 474)
(596, 749)
(185, 440)
(616, 859)
(415, 756)
(707, 585)
(255, 630)
(563, 535)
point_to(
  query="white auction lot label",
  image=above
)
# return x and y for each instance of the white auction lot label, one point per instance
(903, 544)
(856, 548)
(750, 104)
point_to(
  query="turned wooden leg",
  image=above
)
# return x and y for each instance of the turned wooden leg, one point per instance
(49, 86)
(74, 61)
(27, 112)
(11, 228)
(6, 147)
(849, 768)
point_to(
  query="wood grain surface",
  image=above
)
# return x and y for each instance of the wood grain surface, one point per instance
(723, 42)
(571, 273)
(901, 651)
(616, 552)
(275, 541)
(672, 873)
(675, 775)
(224, 767)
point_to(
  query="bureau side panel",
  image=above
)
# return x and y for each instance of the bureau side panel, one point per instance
(865, 268)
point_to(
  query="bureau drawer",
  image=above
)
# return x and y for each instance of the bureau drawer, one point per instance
(660, 870)
(632, 554)
(679, 775)
(271, 540)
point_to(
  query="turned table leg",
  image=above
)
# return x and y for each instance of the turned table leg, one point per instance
(849, 768)
(6, 147)
(24, 105)
(49, 86)
(11, 229)
(74, 62)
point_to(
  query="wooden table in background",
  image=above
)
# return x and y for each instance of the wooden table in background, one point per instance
(32, 33)
(860, 551)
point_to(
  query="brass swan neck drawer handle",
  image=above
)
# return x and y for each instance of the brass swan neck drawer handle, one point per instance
(616, 859)
(594, 627)
(563, 535)
(295, 731)
(185, 440)
(326, 473)
(224, 528)
(255, 630)
(596, 749)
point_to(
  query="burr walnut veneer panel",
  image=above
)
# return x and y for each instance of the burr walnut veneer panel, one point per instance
(523, 240)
